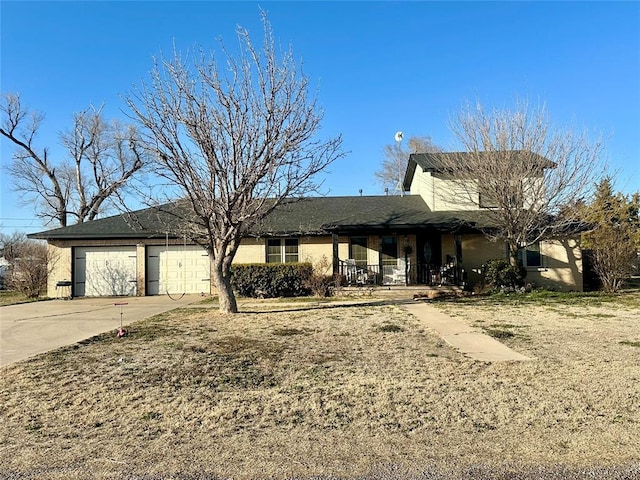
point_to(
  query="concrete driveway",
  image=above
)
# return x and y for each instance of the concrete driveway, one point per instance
(32, 328)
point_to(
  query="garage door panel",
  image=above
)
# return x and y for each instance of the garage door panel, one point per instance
(105, 271)
(177, 269)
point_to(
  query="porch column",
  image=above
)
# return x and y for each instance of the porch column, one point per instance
(336, 259)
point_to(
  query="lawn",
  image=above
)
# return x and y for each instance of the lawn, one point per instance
(9, 297)
(302, 390)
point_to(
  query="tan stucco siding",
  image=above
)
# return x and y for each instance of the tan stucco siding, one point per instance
(315, 250)
(449, 195)
(444, 194)
(251, 250)
(561, 266)
(343, 247)
(476, 251)
(310, 249)
(562, 261)
(441, 194)
(448, 246)
(422, 184)
(59, 268)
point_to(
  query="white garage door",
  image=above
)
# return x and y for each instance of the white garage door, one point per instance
(104, 271)
(178, 269)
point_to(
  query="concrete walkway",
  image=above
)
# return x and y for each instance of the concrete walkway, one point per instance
(467, 340)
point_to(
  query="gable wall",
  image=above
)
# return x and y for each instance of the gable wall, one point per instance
(441, 194)
(422, 184)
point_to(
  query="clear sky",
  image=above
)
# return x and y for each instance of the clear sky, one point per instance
(380, 67)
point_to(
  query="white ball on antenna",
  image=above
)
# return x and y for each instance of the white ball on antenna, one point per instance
(399, 136)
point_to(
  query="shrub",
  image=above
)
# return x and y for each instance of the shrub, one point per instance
(500, 274)
(321, 282)
(263, 280)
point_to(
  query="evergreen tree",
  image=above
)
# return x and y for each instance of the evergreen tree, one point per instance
(615, 237)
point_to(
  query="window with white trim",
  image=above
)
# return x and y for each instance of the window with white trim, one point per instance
(282, 250)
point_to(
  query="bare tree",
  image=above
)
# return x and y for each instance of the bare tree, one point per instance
(395, 160)
(521, 171)
(29, 264)
(237, 138)
(10, 244)
(100, 157)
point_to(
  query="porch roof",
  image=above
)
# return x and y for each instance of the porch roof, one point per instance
(307, 216)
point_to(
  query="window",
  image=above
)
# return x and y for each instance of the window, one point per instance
(530, 256)
(282, 250)
(358, 250)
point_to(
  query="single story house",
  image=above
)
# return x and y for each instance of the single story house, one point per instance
(425, 237)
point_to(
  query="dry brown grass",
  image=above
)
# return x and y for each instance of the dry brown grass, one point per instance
(10, 297)
(303, 390)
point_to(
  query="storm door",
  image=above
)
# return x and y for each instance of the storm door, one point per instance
(388, 257)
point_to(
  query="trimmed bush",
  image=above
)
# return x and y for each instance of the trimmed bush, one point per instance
(266, 280)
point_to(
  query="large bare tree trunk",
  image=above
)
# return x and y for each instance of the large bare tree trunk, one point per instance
(226, 298)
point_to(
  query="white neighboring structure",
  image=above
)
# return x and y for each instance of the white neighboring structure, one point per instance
(4, 270)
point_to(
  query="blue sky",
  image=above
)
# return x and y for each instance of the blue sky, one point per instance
(379, 67)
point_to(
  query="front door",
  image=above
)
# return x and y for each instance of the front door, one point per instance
(429, 256)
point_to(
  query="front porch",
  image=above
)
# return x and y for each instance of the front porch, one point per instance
(423, 256)
(403, 273)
